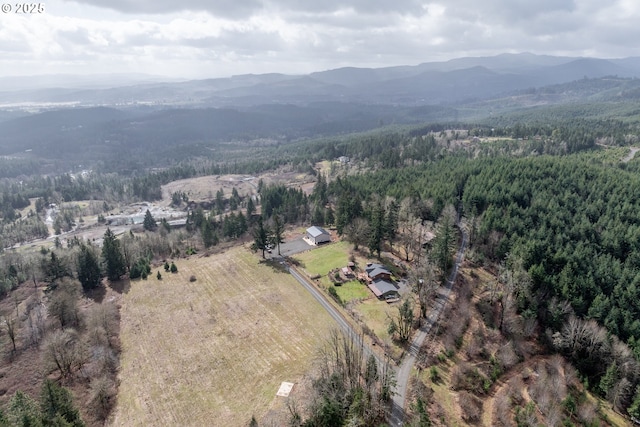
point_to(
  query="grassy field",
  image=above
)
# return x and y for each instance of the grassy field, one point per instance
(214, 351)
(353, 290)
(323, 259)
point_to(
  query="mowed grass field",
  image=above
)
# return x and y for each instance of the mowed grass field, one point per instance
(323, 259)
(214, 351)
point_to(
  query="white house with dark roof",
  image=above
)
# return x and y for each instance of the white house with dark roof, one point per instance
(317, 235)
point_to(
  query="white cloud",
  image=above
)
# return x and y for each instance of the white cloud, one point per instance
(200, 38)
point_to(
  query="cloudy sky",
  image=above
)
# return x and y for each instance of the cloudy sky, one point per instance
(213, 38)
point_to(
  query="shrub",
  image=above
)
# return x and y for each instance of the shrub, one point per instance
(173, 267)
(434, 374)
(470, 406)
(334, 294)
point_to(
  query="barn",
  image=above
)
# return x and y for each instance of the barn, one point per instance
(317, 235)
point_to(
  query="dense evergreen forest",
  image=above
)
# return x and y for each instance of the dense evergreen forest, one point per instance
(548, 192)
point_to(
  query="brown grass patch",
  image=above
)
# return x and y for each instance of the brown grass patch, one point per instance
(217, 348)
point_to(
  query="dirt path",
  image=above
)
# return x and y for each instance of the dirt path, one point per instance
(501, 383)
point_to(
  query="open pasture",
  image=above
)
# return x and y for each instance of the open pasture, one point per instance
(214, 351)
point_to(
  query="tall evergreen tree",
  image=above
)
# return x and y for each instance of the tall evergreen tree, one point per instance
(149, 222)
(89, 273)
(377, 223)
(112, 256)
(22, 410)
(278, 231)
(55, 268)
(209, 237)
(57, 404)
(444, 243)
(251, 208)
(261, 236)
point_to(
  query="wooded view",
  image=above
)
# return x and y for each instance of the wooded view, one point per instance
(506, 244)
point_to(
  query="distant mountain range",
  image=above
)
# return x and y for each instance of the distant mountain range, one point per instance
(133, 124)
(434, 83)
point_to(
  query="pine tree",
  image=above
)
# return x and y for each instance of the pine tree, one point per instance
(57, 404)
(209, 237)
(54, 268)
(260, 236)
(377, 229)
(444, 243)
(149, 222)
(22, 410)
(89, 273)
(278, 231)
(251, 208)
(112, 256)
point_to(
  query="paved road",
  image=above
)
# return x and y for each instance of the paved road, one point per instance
(403, 373)
(337, 316)
(402, 376)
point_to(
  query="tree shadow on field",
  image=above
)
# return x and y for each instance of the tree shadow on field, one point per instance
(276, 264)
(121, 286)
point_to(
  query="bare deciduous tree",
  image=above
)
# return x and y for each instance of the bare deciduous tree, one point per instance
(63, 351)
(102, 321)
(102, 396)
(63, 304)
(425, 284)
(35, 324)
(402, 322)
(10, 325)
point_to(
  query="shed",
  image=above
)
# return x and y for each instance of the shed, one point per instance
(318, 235)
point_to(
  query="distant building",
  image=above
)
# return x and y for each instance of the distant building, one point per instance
(317, 235)
(343, 159)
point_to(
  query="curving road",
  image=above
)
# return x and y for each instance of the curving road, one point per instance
(396, 416)
(402, 376)
(337, 316)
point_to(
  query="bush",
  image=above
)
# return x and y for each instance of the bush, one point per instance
(334, 294)
(173, 267)
(470, 406)
(434, 374)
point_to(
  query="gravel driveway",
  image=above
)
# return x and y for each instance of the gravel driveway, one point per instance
(292, 247)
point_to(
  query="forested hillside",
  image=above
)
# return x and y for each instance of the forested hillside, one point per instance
(544, 192)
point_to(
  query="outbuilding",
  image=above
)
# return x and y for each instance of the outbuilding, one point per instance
(317, 235)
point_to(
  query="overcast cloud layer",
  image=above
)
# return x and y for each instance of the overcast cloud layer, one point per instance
(213, 38)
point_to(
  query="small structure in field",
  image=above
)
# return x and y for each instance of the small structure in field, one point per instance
(317, 235)
(347, 272)
(285, 389)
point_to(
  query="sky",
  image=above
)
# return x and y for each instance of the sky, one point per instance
(217, 38)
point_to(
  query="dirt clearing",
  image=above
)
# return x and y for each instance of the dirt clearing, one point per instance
(214, 351)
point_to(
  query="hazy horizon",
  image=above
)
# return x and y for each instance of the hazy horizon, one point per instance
(198, 39)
